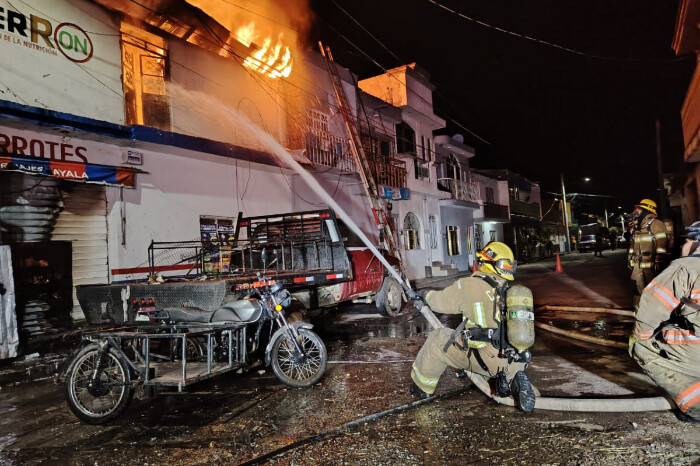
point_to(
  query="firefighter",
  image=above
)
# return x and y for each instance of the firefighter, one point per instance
(649, 248)
(476, 299)
(666, 338)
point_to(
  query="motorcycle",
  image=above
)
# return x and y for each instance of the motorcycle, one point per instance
(176, 347)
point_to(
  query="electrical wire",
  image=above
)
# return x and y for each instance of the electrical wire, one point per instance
(219, 42)
(367, 31)
(552, 44)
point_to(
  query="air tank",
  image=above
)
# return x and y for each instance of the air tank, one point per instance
(520, 317)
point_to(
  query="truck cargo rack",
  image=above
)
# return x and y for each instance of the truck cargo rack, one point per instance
(296, 248)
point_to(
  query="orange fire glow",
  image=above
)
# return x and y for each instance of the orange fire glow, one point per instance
(273, 61)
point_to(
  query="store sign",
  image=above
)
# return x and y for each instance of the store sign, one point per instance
(41, 147)
(45, 35)
(87, 173)
(62, 157)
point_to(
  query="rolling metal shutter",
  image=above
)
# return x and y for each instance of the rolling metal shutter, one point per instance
(83, 222)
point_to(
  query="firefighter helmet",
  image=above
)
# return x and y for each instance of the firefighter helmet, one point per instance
(648, 205)
(497, 258)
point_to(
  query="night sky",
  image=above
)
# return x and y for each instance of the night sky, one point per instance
(542, 110)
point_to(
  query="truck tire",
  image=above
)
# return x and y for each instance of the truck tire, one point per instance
(390, 298)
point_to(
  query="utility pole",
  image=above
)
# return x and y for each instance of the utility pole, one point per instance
(566, 213)
(606, 214)
(660, 169)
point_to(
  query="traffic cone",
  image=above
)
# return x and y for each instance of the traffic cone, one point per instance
(558, 268)
(475, 267)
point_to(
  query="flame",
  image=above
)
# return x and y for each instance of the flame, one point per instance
(269, 60)
(246, 34)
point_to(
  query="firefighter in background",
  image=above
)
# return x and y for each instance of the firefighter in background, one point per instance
(470, 346)
(649, 248)
(666, 338)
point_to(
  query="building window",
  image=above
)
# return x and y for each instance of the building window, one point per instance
(322, 146)
(411, 231)
(144, 73)
(489, 196)
(452, 233)
(422, 169)
(405, 139)
(453, 170)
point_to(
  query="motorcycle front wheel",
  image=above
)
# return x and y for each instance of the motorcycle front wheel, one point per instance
(299, 370)
(108, 396)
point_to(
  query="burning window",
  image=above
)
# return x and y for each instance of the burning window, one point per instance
(274, 61)
(144, 71)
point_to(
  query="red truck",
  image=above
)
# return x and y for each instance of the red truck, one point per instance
(312, 253)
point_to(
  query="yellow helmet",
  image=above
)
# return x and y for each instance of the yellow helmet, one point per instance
(647, 204)
(497, 258)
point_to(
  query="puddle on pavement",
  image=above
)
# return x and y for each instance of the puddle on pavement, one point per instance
(606, 326)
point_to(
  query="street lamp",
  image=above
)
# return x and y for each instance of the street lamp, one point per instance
(586, 179)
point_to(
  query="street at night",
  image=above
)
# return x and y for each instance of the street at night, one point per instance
(335, 232)
(239, 418)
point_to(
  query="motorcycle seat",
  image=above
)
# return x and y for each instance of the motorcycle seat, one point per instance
(189, 314)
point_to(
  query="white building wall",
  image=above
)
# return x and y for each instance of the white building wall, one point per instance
(38, 74)
(168, 201)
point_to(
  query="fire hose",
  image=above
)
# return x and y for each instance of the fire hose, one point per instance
(556, 404)
(600, 405)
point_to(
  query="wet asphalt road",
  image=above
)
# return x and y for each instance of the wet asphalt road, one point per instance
(239, 417)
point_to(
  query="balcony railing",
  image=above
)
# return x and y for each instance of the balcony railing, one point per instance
(460, 190)
(388, 171)
(524, 209)
(496, 211)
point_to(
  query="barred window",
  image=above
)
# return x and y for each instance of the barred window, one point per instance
(452, 234)
(411, 231)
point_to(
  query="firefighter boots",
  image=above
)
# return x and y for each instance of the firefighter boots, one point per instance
(418, 393)
(522, 392)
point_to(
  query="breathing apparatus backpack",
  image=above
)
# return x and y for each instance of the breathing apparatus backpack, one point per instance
(515, 334)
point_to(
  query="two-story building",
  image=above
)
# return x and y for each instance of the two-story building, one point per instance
(522, 233)
(146, 124)
(423, 234)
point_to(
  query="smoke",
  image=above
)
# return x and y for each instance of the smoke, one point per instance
(291, 18)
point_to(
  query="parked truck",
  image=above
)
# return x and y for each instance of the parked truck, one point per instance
(312, 253)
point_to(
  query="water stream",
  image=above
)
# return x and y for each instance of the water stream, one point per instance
(214, 107)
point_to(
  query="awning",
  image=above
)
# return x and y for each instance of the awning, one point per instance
(71, 171)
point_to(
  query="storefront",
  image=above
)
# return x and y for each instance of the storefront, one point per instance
(53, 214)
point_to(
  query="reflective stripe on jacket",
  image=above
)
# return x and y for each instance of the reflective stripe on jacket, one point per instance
(473, 298)
(662, 296)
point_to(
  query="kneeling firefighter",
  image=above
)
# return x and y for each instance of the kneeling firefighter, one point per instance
(497, 329)
(666, 338)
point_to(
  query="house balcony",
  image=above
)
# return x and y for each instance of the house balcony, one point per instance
(460, 190)
(388, 171)
(496, 212)
(524, 209)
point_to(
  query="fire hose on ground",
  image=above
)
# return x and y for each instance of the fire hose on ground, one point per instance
(610, 405)
(556, 404)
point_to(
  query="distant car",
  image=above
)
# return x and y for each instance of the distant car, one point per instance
(587, 243)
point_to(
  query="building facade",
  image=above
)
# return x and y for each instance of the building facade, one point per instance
(146, 125)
